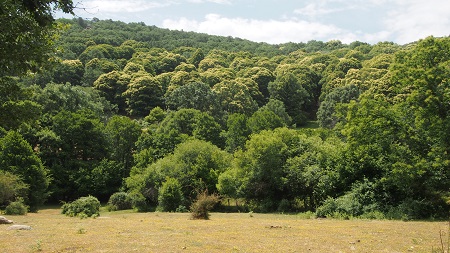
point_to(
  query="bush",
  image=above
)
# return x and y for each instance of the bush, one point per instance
(374, 215)
(284, 206)
(410, 209)
(82, 207)
(182, 209)
(11, 187)
(204, 203)
(138, 202)
(16, 208)
(119, 201)
(328, 207)
(307, 215)
(358, 201)
(170, 196)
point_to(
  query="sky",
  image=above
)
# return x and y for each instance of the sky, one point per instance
(282, 21)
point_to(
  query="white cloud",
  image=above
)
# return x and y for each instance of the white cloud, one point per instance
(271, 31)
(316, 9)
(413, 20)
(120, 6)
(401, 21)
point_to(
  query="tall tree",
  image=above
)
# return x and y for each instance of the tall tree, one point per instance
(18, 158)
(122, 133)
(26, 40)
(79, 145)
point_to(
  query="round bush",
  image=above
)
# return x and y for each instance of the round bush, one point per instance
(170, 195)
(16, 208)
(119, 201)
(82, 207)
(139, 202)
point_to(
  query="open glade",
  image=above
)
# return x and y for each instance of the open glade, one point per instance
(127, 231)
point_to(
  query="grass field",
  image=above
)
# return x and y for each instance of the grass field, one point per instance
(127, 231)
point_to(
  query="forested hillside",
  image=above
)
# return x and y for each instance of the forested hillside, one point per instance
(337, 129)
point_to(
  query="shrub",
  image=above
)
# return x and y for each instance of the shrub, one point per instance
(11, 187)
(170, 195)
(284, 206)
(328, 207)
(358, 201)
(204, 203)
(181, 209)
(374, 215)
(307, 215)
(16, 208)
(82, 207)
(119, 201)
(138, 202)
(410, 209)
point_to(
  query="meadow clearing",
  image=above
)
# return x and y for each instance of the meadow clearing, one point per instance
(127, 231)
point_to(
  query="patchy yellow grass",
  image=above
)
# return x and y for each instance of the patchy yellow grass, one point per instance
(235, 232)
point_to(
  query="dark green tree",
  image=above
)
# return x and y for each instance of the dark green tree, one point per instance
(17, 157)
(196, 95)
(122, 133)
(78, 146)
(237, 132)
(264, 119)
(28, 34)
(291, 91)
(16, 107)
(143, 94)
(69, 71)
(170, 195)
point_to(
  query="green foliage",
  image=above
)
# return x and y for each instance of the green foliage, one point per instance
(237, 132)
(235, 97)
(195, 95)
(156, 115)
(18, 158)
(27, 44)
(143, 94)
(203, 204)
(119, 201)
(11, 187)
(170, 195)
(57, 97)
(17, 207)
(69, 71)
(122, 134)
(79, 146)
(385, 107)
(138, 202)
(194, 123)
(290, 90)
(284, 206)
(195, 164)
(82, 207)
(284, 163)
(326, 115)
(359, 201)
(264, 119)
(104, 179)
(16, 107)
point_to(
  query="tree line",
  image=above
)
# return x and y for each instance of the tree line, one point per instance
(337, 129)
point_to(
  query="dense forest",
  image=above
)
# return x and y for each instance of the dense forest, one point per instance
(336, 129)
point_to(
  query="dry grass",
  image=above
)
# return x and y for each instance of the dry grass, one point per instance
(175, 232)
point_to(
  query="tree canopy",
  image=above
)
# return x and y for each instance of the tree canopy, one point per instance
(166, 115)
